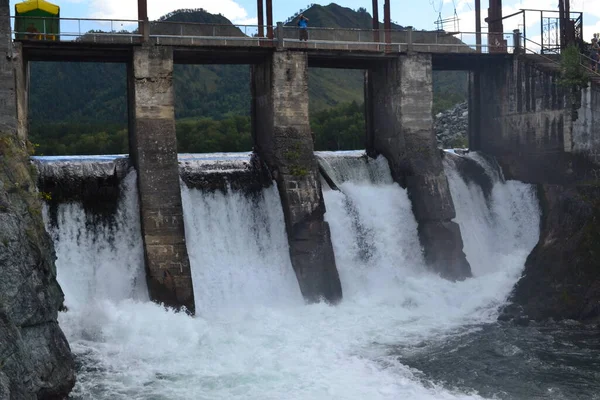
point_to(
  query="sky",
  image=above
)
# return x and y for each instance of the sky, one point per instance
(421, 14)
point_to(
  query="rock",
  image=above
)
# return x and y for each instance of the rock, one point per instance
(561, 279)
(451, 127)
(35, 359)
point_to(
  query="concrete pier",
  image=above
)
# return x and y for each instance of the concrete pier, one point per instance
(154, 152)
(284, 141)
(400, 127)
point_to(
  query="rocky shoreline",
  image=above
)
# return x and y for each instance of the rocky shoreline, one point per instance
(451, 127)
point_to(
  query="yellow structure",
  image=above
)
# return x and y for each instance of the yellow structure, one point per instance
(37, 20)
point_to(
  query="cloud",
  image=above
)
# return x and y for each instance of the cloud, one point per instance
(127, 9)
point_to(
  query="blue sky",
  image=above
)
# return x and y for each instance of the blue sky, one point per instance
(418, 13)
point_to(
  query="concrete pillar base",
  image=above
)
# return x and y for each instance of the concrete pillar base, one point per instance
(283, 140)
(401, 128)
(154, 152)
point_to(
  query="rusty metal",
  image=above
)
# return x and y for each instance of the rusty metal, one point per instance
(142, 10)
(270, 19)
(261, 18)
(375, 21)
(496, 41)
(387, 21)
(143, 25)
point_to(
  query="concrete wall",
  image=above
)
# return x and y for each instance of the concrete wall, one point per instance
(154, 151)
(400, 126)
(585, 134)
(527, 121)
(284, 141)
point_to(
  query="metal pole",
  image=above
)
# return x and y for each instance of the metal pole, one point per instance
(143, 25)
(542, 31)
(387, 21)
(562, 21)
(478, 25)
(375, 21)
(261, 21)
(524, 34)
(270, 19)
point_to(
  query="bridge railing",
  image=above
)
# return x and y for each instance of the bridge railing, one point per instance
(553, 56)
(76, 29)
(202, 34)
(165, 32)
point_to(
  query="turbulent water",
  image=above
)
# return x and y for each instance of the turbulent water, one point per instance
(253, 336)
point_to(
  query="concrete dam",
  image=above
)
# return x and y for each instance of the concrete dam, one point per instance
(505, 88)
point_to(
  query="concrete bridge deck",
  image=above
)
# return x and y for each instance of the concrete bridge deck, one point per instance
(78, 51)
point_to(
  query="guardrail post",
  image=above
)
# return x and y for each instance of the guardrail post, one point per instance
(409, 46)
(516, 41)
(280, 35)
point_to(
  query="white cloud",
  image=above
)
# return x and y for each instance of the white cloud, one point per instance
(127, 9)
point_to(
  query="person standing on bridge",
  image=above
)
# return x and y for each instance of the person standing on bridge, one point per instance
(303, 25)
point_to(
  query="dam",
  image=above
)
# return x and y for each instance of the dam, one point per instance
(285, 272)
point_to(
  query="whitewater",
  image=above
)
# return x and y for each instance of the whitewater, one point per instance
(253, 337)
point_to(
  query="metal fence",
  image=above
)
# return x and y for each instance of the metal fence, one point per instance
(199, 34)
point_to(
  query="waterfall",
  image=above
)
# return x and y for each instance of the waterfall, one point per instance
(238, 249)
(499, 220)
(253, 336)
(374, 232)
(98, 258)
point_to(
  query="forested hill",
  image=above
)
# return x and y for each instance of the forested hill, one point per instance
(80, 92)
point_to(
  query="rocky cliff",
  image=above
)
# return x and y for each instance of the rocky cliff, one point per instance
(562, 274)
(35, 359)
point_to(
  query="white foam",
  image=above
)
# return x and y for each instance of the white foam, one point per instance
(254, 338)
(99, 260)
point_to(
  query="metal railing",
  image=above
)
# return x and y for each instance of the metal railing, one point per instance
(198, 34)
(75, 29)
(585, 61)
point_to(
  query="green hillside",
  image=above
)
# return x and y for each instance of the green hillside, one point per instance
(96, 92)
(91, 97)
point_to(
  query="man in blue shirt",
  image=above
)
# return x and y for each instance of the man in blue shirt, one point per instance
(303, 25)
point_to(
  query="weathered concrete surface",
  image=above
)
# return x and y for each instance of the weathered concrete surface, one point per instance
(154, 152)
(35, 359)
(283, 140)
(525, 120)
(585, 134)
(401, 128)
(528, 124)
